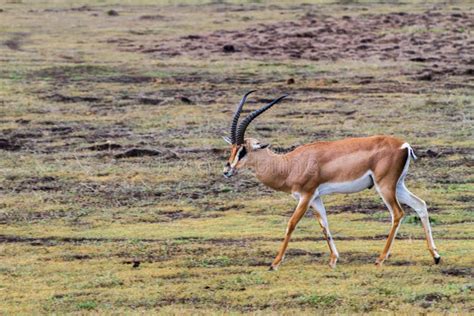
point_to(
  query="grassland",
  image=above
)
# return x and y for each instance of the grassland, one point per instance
(85, 229)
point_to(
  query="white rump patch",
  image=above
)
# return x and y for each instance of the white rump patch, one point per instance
(411, 152)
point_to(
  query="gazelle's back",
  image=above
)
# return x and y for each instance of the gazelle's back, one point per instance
(348, 159)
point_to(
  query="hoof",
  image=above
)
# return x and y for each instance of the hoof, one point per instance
(272, 268)
(437, 260)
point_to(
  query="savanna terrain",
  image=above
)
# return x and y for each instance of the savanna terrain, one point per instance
(112, 198)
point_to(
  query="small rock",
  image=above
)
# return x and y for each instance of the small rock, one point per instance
(228, 48)
(185, 100)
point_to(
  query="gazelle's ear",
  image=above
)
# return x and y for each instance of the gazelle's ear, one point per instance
(227, 140)
(260, 146)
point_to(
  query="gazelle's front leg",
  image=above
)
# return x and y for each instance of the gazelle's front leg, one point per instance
(320, 214)
(295, 218)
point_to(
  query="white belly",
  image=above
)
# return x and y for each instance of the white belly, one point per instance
(356, 185)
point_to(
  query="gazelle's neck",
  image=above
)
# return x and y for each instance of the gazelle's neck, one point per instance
(270, 168)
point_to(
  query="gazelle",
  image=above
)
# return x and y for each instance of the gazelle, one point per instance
(320, 168)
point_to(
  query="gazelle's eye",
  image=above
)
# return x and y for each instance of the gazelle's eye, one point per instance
(242, 153)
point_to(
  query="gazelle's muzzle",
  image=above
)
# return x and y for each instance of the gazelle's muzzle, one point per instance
(229, 171)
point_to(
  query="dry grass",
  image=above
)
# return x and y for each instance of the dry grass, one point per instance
(74, 219)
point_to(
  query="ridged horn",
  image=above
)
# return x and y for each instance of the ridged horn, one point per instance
(235, 119)
(245, 123)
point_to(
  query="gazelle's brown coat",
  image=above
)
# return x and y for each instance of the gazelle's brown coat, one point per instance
(306, 169)
(303, 169)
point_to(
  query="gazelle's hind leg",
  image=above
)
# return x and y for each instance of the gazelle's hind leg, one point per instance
(320, 214)
(388, 195)
(408, 198)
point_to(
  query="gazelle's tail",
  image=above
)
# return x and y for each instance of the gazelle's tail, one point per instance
(411, 152)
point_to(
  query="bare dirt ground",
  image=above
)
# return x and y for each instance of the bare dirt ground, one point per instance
(111, 193)
(433, 37)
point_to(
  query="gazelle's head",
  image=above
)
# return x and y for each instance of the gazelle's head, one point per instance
(239, 155)
(242, 147)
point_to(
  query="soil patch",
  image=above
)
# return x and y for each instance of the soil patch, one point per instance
(51, 240)
(429, 37)
(361, 206)
(102, 147)
(42, 184)
(33, 217)
(57, 97)
(15, 41)
(460, 271)
(357, 257)
(9, 144)
(141, 152)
